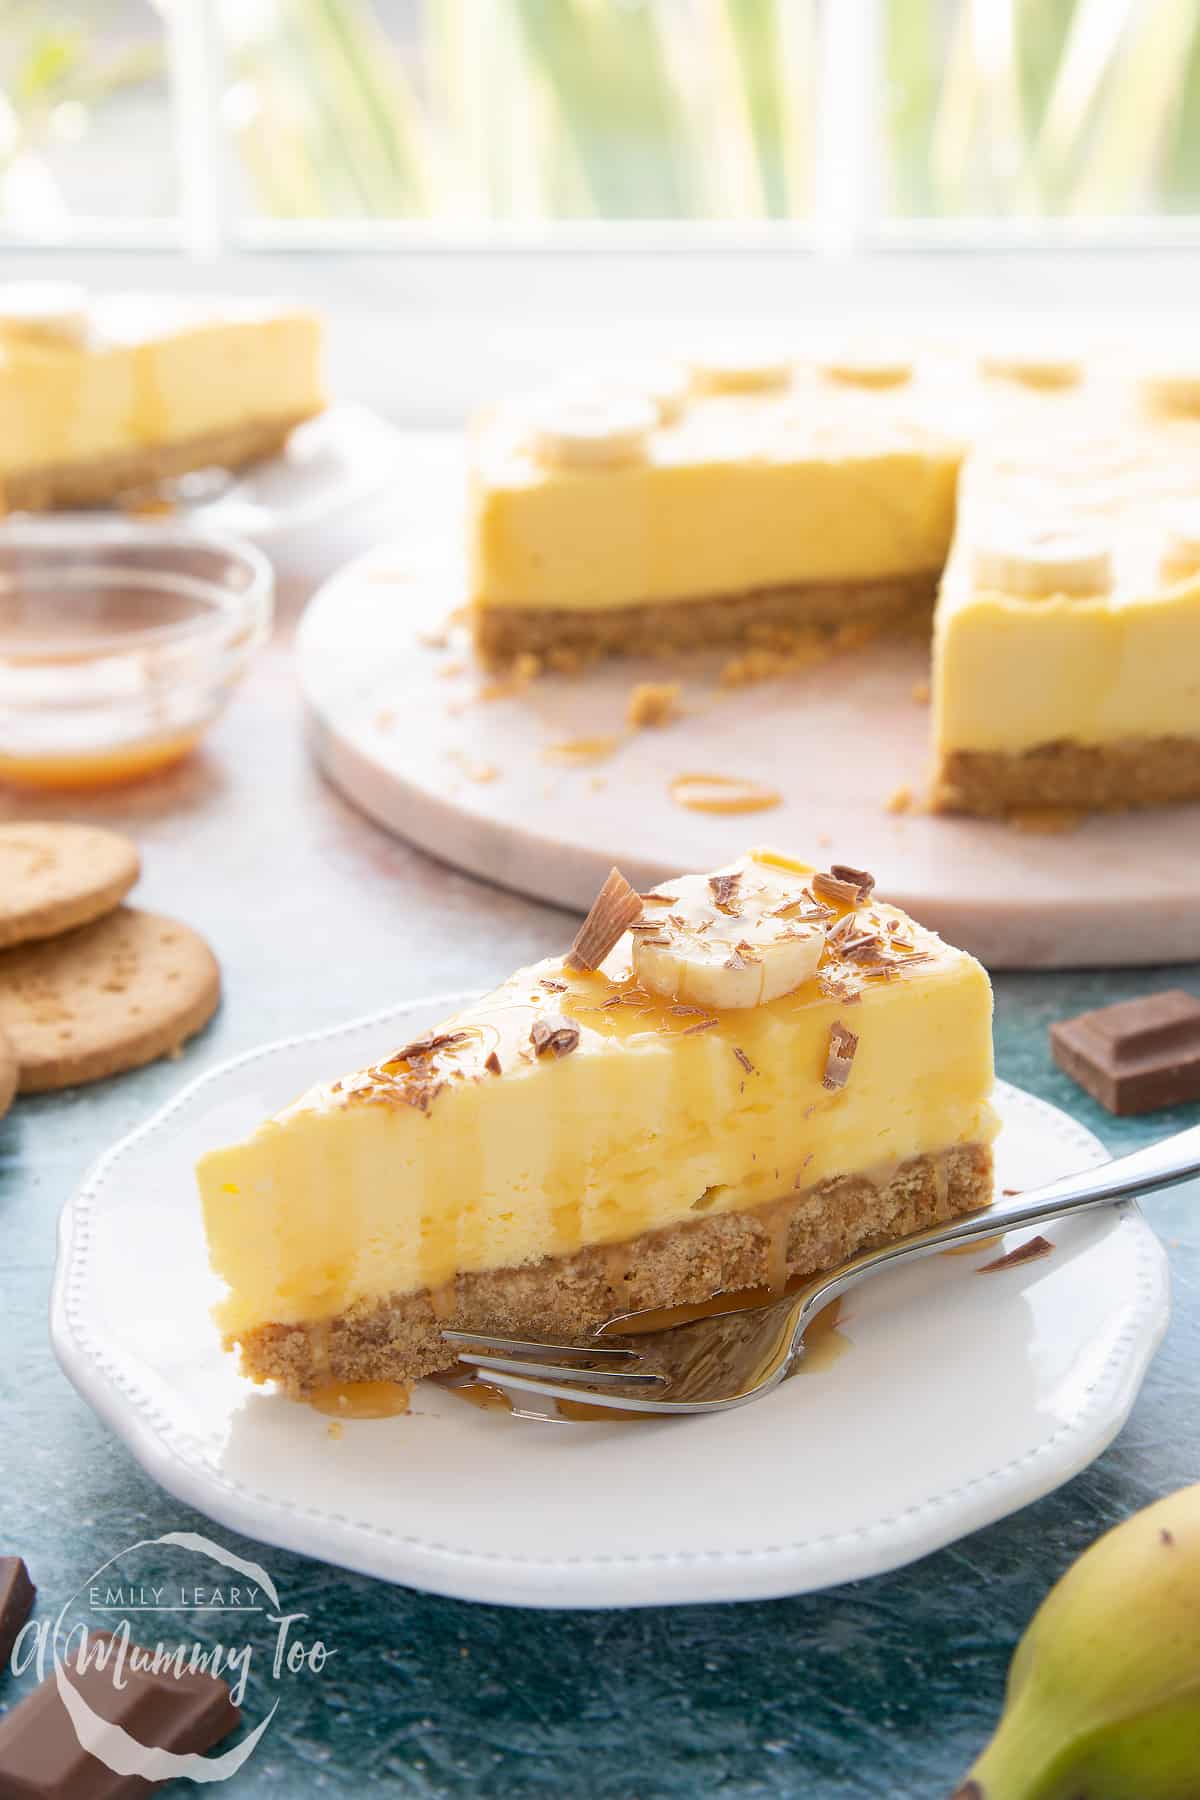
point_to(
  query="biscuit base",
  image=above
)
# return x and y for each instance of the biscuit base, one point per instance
(760, 616)
(564, 1298)
(1135, 772)
(97, 479)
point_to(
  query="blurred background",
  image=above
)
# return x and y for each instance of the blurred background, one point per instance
(225, 129)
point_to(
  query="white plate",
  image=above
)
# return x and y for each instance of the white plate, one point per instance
(961, 1398)
(336, 462)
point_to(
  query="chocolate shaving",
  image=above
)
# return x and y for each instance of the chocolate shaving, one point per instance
(704, 1025)
(492, 1064)
(420, 1048)
(736, 959)
(556, 987)
(1029, 1251)
(615, 908)
(842, 1045)
(724, 891)
(654, 940)
(744, 1060)
(679, 1011)
(831, 887)
(862, 879)
(852, 945)
(841, 928)
(838, 990)
(557, 1035)
(659, 899)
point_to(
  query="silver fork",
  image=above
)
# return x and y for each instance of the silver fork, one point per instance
(731, 1358)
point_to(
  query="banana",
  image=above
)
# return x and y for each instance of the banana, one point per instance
(873, 368)
(1181, 549)
(588, 429)
(1174, 388)
(1103, 1693)
(1036, 366)
(739, 369)
(731, 940)
(44, 312)
(1042, 563)
(664, 384)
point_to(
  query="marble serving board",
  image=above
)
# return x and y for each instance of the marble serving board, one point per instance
(543, 787)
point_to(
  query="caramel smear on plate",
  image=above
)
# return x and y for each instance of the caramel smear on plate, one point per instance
(582, 750)
(722, 794)
(361, 1399)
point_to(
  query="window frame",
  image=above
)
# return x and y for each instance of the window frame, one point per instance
(847, 219)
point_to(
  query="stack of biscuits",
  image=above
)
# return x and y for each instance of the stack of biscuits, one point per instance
(88, 986)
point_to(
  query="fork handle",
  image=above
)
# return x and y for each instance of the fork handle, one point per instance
(1160, 1165)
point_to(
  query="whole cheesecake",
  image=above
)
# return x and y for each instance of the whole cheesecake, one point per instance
(726, 1083)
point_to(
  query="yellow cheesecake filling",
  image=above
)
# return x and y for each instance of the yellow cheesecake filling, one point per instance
(487, 1153)
(150, 372)
(741, 492)
(1016, 669)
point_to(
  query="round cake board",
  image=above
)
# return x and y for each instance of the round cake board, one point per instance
(543, 787)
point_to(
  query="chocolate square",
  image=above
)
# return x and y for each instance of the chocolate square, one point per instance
(1136, 1056)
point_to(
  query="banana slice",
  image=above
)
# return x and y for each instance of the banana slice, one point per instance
(731, 940)
(1181, 550)
(867, 367)
(1036, 366)
(1040, 564)
(1175, 389)
(664, 384)
(44, 312)
(577, 429)
(739, 369)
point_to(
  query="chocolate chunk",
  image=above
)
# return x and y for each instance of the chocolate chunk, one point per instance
(42, 1759)
(1137, 1056)
(16, 1603)
(557, 1035)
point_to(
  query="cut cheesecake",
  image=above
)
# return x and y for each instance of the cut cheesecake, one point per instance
(759, 500)
(767, 1070)
(1066, 661)
(105, 396)
(731, 510)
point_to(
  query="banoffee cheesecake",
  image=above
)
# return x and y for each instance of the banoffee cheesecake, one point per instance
(725, 1083)
(1052, 503)
(1066, 653)
(104, 395)
(728, 505)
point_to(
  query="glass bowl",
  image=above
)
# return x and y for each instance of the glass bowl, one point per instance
(119, 644)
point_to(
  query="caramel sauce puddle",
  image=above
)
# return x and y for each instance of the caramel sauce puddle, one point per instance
(722, 794)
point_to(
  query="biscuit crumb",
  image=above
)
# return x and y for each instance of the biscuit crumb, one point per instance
(652, 703)
(335, 1429)
(900, 800)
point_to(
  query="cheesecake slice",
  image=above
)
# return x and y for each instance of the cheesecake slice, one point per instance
(105, 396)
(726, 1083)
(738, 504)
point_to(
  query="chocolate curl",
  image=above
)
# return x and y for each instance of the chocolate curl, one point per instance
(615, 908)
